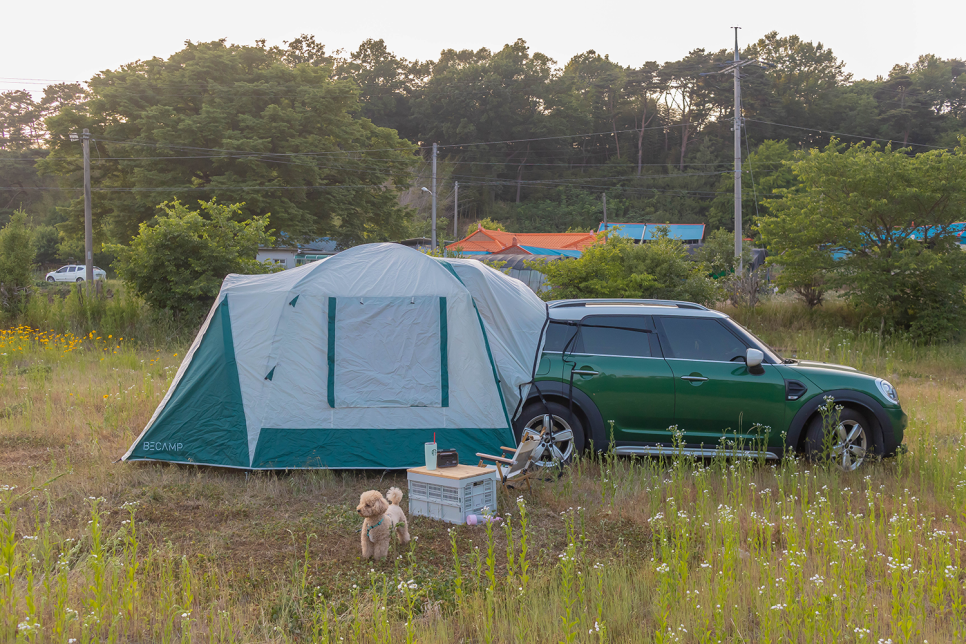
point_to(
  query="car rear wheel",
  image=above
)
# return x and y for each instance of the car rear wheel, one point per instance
(850, 445)
(565, 438)
(79, 279)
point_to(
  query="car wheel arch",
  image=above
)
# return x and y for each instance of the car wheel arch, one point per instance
(584, 408)
(860, 402)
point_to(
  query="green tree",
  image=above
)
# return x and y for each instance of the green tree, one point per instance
(765, 170)
(179, 263)
(488, 224)
(718, 253)
(269, 128)
(16, 256)
(878, 223)
(388, 85)
(619, 268)
(570, 210)
(46, 241)
(800, 86)
(692, 99)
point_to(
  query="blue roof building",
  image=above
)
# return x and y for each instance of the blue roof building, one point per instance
(687, 233)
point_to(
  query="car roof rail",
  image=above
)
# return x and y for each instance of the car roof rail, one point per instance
(633, 302)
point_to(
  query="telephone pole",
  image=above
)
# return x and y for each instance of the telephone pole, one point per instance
(85, 138)
(737, 128)
(735, 67)
(456, 212)
(605, 212)
(434, 197)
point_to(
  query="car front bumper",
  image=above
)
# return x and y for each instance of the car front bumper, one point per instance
(898, 421)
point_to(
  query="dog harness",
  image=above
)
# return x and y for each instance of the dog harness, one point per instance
(368, 536)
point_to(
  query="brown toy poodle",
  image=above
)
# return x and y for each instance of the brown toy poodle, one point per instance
(380, 517)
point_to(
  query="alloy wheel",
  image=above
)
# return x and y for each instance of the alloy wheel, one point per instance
(557, 446)
(851, 446)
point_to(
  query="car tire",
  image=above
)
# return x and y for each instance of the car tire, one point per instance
(855, 443)
(79, 279)
(530, 422)
(50, 279)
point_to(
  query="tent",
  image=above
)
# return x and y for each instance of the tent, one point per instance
(354, 361)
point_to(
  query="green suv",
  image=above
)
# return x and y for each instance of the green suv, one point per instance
(641, 371)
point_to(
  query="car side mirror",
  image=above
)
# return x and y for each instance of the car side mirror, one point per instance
(753, 358)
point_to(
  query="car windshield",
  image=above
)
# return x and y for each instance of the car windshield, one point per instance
(765, 347)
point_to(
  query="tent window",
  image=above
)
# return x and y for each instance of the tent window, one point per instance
(387, 352)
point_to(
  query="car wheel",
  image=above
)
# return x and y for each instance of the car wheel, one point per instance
(50, 279)
(79, 279)
(852, 442)
(565, 439)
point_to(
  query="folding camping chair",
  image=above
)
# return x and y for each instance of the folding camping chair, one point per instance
(517, 469)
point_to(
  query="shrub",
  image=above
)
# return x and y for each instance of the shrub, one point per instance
(46, 241)
(16, 261)
(878, 224)
(179, 263)
(619, 268)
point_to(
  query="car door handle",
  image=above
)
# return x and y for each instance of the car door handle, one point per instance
(694, 378)
(585, 372)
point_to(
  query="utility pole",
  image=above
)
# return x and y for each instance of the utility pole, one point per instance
(85, 137)
(88, 224)
(737, 128)
(434, 197)
(735, 67)
(456, 212)
(605, 212)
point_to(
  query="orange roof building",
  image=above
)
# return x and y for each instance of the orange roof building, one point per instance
(487, 242)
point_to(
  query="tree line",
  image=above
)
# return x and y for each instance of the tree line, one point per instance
(327, 141)
(309, 143)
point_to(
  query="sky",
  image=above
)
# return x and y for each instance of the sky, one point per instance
(65, 41)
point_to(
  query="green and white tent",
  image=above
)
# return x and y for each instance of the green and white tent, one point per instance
(351, 362)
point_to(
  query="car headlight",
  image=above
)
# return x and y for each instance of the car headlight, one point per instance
(887, 390)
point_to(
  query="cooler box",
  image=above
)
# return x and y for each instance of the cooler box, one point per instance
(451, 493)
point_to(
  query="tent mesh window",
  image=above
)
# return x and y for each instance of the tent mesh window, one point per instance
(388, 352)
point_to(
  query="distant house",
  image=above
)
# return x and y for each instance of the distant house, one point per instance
(297, 254)
(488, 242)
(641, 233)
(284, 257)
(316, 250)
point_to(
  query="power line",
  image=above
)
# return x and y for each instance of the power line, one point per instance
(253, 152)
(562, 136)
(198, 189)
(856, 136)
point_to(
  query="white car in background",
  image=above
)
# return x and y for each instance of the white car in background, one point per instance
(74, 273)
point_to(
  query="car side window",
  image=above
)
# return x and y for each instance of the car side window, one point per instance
(558, 335)
(699, 339)
(615, 335)
(71, 269)
(63, 269)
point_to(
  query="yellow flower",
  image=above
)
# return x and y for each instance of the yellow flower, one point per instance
(176, 355)
(105, 395)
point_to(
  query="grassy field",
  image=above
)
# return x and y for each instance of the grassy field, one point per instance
(617, 550)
